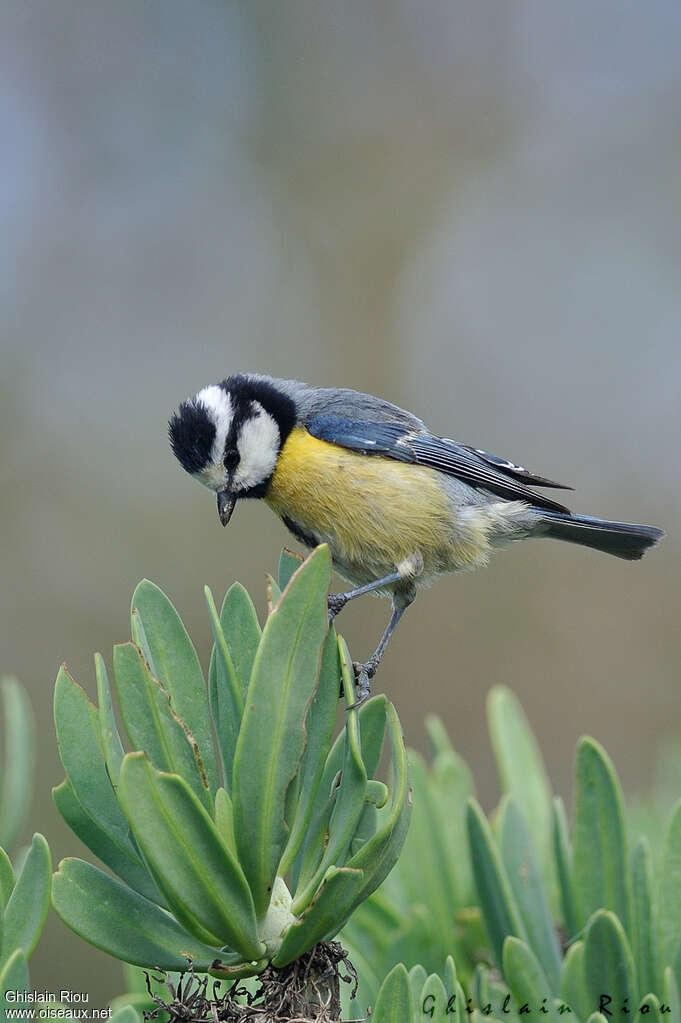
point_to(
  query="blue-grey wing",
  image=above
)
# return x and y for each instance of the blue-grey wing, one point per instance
(476, 468)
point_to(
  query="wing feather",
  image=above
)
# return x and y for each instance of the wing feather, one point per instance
(476, 468)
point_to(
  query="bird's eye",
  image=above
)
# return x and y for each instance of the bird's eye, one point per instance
(231, 459)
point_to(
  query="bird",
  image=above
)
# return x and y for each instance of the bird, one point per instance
(397, 505)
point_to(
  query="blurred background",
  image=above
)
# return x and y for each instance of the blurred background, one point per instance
(473, 210)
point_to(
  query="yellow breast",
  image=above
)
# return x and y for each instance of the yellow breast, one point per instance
(374, 512)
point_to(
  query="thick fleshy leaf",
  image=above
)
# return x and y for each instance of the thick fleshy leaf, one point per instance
(600, 863)
(672, 998)
(608, 963)
(289, 562)
(6, 880)
(108, 730)
(82, 754)
(670, 891)
(173, 660)
(122, 923)
(225, 694)
(451, 784)
(224, 818)
(126, 1014)
(524, 975)
(16, 790)
(203, 883)
(348, 804)
(644, 931)
(522, 871)
(378, 855)
(152, 723)
(432, 1000)
(13, 977)
(417, 978)
(241, 630)
(320, 722)
(521, 767)
(572, 983)
(272, 736)
(498, 904)
(430, 880)
(563, 858)
(324, 916)
(649, 1010)
(29, 902)
(122, 859)
(393, 1004)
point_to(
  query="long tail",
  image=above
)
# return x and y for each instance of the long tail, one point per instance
(623, 539)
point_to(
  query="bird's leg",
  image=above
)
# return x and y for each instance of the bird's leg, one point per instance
(337, 601)
(365, 671)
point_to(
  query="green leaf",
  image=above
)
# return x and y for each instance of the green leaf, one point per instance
(18, 771)
(524, 975)
(644, 931)
(670, 890)
(608, 964)
(272, 736)
(347, 806)
(273, 593)
(563, 858)
(81, 752)
(152, 724)
(450, 786)
(108, 730)
(242, 632)
(320, 721)
(372, 719)
(126, 1014)
(437, 736)
(289, 562)
(173, 660)
(28, 904)
(122, 859)
(671, 996)
(522, 871)
(522, 772)
(225, 694)
(393, 1004)
(649, 1010)
(430, 879)
(200, 877)
(224, 818)
(494, 890)
(378, 855)
(324, 916)
(600, 867)
(597, 1017)
(433, 1000)
(13, 977)
(124, 924)
(572, 984)
(6, 880)
(417, 978)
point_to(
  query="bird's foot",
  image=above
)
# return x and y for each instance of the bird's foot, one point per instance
(335, 603)
(364, 672)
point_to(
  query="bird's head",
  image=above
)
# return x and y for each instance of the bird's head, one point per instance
(229, 435)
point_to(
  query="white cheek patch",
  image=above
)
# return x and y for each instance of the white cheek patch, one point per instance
(258, 443)
(219, 405)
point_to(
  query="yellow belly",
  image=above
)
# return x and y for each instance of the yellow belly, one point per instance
(373, 512)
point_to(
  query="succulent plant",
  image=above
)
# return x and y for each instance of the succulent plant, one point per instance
(244, 851)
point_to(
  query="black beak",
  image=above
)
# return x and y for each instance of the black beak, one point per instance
(226, 502)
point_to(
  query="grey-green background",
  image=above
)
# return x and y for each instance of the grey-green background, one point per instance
(472, 209)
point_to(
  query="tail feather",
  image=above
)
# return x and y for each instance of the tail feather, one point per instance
(623, 539)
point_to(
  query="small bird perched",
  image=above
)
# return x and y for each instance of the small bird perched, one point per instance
(397, 505)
